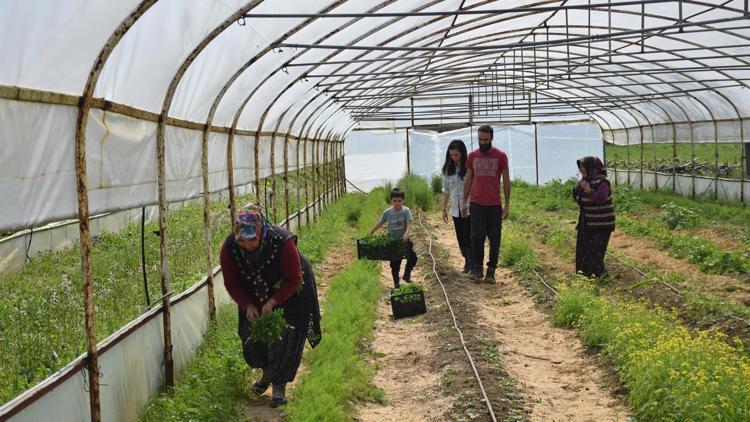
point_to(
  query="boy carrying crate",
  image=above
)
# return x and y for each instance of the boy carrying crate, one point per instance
(399, 220)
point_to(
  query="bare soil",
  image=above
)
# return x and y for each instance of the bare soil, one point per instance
(562, 381)
(405, 366)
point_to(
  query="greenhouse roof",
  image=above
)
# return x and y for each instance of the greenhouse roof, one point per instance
(653, 70)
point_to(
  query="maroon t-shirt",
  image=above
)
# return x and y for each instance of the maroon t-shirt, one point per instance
(487, 168)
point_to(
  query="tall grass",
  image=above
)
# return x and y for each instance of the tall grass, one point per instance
(671, 374)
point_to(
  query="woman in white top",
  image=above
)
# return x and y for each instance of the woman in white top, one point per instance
(454, 171)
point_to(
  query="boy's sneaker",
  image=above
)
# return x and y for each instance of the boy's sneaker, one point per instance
(490, 277)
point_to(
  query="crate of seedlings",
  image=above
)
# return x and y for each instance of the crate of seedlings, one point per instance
(408, 300)
(381, 248)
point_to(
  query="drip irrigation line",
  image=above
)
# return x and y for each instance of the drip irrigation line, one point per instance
(455, 323)
(28, 247)
(355, 186)
(143, 255)
(726, 314)
(545, 283)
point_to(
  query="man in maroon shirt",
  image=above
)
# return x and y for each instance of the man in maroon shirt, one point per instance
(485, 168)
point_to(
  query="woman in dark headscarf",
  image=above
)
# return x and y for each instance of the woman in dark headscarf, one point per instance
(263, 270)
(596, 219)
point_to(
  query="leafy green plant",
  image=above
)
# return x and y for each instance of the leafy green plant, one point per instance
(352, 216)
(407, 293)
(676, 216)
(268, 327)
(418, 192)
(381, 247)
(518, 254)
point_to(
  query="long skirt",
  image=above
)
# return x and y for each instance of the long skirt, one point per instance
(279, 360)
(591, 247)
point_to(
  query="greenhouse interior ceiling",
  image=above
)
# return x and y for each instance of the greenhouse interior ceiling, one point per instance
(115, 106)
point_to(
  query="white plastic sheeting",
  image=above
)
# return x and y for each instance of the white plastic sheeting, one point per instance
(559, 146)
(374, 158)
(724, 190)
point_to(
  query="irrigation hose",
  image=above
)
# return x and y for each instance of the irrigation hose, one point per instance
(455, 324)
(726, 314)
(554, 291)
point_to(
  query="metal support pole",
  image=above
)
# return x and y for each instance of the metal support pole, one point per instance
(274, 209)
(536, 152)
(306, 176)
(163, 254)
(716, 161)
(674, 157)
(207, 228)
(641, 158)
(286, 181)
(256, 160)
(230, 177)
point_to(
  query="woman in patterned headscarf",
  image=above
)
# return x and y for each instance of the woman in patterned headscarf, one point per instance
(263, 270)
(596, 219)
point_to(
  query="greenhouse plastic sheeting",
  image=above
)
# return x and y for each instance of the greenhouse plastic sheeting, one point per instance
(700, 186)
(374, 158)
(559, 146)
(130, 361)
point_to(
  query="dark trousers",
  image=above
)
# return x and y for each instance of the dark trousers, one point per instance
(591, 247)
(463, 235)
(279, 360)
(486, 222)
(411, 261)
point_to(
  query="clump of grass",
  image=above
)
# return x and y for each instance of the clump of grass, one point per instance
(337, 373)
(352, 216)
(671, 374)
(436, 183)
(418, 192)
(518, 254)
(676, 217)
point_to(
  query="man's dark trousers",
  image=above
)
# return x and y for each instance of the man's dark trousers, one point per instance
(486, 222)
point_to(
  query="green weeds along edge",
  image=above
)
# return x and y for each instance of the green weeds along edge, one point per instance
(337, 373)
(670, 373)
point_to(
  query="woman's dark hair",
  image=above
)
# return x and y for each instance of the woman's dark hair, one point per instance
(449, 168)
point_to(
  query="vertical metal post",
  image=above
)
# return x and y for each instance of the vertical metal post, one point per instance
(286, 181)
(679, 4)
(305, 206)
(92, 354)
(163, 254)
(207, 227)
(643, 27)
(692, 162)
(273, 197)
(609, 29)
(656, 178)
(536, 152)
(408, 147)
(299, 172)
(674, 157)
(230, 176)
(716, 160)
(641, 159)
(256, 160)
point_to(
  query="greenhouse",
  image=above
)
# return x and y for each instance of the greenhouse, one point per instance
(194, 194)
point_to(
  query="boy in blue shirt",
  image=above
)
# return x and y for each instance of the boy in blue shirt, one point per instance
(399, 219)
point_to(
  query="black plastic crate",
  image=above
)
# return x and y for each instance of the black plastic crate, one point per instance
(408, 304)
(396, 249)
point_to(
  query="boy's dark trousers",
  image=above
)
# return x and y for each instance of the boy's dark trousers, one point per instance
(486, 221)
(411, 261)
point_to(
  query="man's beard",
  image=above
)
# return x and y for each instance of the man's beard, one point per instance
(485, 148)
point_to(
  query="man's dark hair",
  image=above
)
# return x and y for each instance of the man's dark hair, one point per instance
(486, 129)
(397, 193)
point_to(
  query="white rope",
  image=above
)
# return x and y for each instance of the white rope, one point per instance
(455, 324)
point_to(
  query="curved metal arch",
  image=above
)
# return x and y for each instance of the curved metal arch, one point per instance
(84, 109)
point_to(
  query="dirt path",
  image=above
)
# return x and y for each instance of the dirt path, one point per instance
(405, 371)
(258, 409)
(562, 381)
